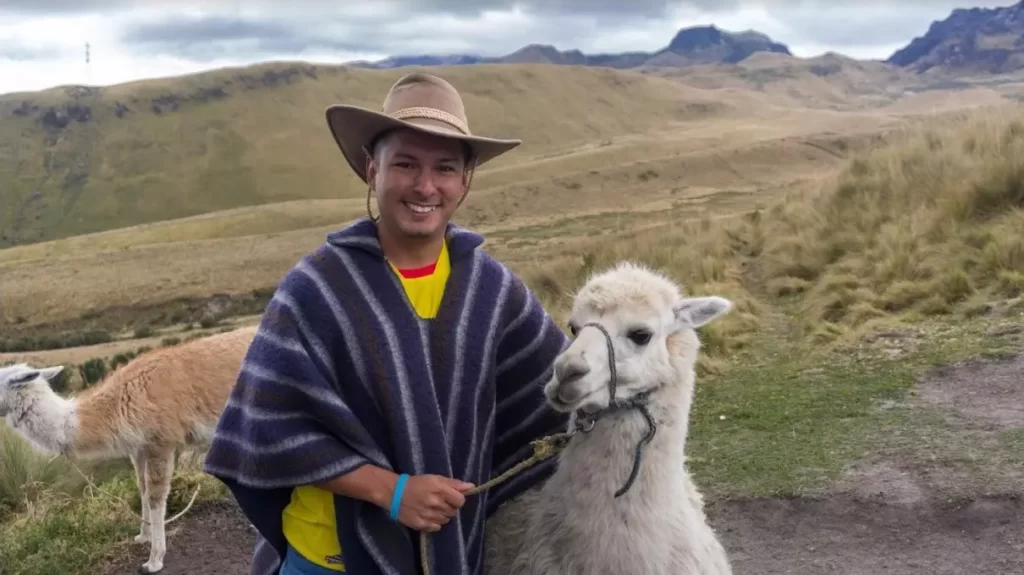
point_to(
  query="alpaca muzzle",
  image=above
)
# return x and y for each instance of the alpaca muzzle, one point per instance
(569, 385)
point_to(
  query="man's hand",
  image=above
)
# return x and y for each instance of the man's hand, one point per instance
(430, 501)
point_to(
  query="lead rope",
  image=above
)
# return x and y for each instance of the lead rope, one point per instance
(543, 448)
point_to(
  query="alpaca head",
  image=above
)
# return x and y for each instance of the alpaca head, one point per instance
(651, 327)
(15, 379)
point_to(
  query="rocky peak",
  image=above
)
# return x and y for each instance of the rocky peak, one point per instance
(695, 38)
(727, 46)
(982, 39)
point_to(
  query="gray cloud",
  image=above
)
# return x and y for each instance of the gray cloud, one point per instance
(647, 8)
(203, 38)
(285, 28)
(63, 7)
(207, 38)
(212, 28)
(20, 53)
(872, 22)
(631, 8)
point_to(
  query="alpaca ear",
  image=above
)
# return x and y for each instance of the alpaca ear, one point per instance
(694, 312)
(29, 375)
(23, 377)
(49, 373)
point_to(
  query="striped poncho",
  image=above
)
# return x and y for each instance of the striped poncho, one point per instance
(342, 372)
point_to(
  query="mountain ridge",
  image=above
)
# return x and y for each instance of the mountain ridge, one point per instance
(989, 40)
(691, 45)
(970, 39)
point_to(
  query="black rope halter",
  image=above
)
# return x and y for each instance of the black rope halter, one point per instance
(585, 422)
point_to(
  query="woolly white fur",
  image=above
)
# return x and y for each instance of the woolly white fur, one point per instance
(33, 410)
(573, 523)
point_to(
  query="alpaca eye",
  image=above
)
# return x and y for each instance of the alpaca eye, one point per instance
(573, 329)
(639, 336)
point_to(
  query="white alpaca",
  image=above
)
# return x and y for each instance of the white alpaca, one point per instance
(574, 523)
(162, 401)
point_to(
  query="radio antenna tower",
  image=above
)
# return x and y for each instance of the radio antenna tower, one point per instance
(88, 79)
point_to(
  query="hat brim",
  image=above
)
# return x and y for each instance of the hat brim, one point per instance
(354, 128)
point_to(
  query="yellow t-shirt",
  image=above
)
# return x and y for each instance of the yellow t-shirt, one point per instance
(308, 520)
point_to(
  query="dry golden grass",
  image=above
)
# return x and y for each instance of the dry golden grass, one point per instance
(529, 204)
(932, 224)
(927, 226)
(711, 168)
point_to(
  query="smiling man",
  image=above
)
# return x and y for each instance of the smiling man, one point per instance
(395, 367)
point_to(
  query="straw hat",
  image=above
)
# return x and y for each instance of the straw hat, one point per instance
(419, 101)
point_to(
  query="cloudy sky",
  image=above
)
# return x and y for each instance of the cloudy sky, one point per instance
(42, 42)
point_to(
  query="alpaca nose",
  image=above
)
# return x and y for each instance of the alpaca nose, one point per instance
(569, 371)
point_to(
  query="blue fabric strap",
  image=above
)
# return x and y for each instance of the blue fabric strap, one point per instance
(396, 499)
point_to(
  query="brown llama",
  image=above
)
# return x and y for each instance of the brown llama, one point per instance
(162, 401)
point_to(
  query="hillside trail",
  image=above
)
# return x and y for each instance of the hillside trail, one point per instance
(881, 519)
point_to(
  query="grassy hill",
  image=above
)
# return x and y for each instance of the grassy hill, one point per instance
(78, 160)
(125, 278)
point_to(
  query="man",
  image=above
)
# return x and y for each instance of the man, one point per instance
(396, 366)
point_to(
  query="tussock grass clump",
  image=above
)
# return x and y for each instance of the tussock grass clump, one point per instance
(925, 225)
(930, 224)
(26, 474)
(698, 255)
(62, 532)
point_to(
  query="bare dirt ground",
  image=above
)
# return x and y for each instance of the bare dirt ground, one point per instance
(843, 535)
(882, 517)
(837, 535)
(213, 539)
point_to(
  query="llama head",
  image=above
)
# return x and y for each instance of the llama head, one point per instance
(15, 379)
(652, 331)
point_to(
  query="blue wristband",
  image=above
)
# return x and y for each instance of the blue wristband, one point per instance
(396, 499)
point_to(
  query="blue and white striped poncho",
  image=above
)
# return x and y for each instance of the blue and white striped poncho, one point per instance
(342, 372)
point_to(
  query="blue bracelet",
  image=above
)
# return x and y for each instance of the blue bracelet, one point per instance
(396, 499)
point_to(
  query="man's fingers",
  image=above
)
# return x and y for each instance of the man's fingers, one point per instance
(453, 497)
(439, 504)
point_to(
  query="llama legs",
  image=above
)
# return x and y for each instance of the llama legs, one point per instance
(159, 471)
(139, 463)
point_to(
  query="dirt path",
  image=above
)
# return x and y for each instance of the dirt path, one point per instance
(889, 518)
(841, 535)
(213, 539)
(836, 535)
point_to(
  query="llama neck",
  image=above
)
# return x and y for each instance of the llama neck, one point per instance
(44, 418)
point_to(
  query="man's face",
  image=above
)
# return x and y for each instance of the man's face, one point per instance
(419, 180)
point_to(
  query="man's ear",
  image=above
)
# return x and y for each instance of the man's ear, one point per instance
(694, 312)
(371, 171)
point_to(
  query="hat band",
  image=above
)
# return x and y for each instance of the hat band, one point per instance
(432, 114)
